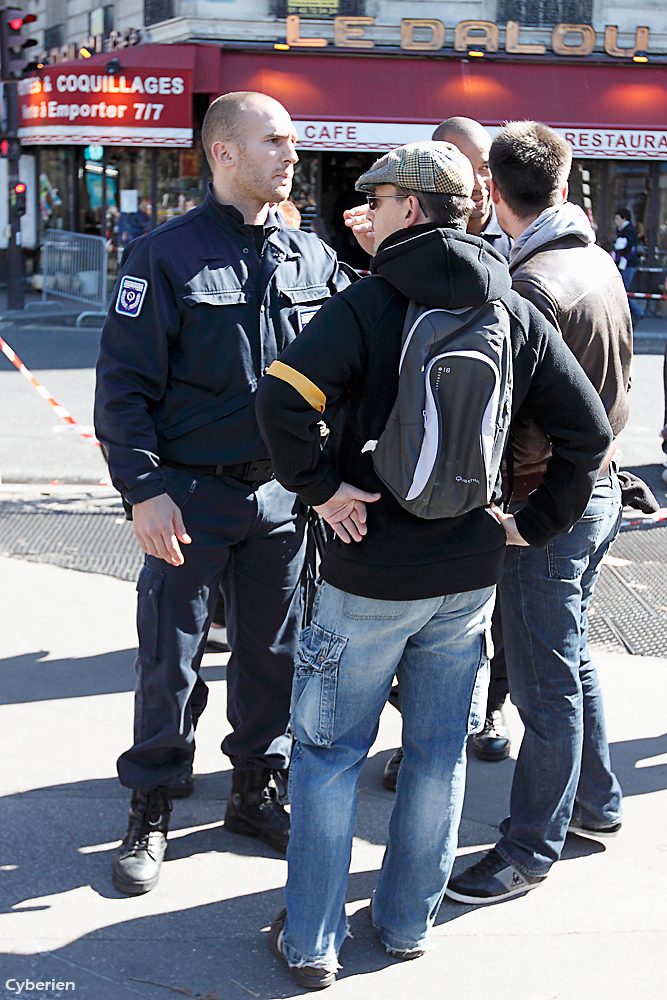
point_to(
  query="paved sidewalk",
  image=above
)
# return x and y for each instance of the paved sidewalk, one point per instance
(596, 928)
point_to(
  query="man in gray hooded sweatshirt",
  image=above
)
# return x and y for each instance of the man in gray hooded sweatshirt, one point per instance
(563, 778)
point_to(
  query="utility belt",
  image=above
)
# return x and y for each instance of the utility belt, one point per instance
(259, 471)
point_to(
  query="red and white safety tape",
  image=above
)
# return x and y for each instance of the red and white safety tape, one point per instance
(645, 295)
(45, 394)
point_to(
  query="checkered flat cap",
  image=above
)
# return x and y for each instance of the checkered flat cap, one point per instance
(438, 167)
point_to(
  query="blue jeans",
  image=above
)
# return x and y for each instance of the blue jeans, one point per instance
(563, 768)
(439, 648)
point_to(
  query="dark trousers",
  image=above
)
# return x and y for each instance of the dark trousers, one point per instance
(250, 541)
(498, 685)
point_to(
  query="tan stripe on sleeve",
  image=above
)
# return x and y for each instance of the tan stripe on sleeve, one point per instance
(310, 392)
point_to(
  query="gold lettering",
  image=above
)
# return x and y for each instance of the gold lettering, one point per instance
(585, 46)
(611, 42)
(294, 39)
(512, 43)
(474, 33)
(349, 32)
(410, 24)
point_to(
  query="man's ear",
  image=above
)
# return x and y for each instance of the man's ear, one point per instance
(566, 191)
(413, 212)
(495, 193)
(224, 153)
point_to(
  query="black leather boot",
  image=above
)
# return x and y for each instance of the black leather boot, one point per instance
(136, 867)
(183, 785)
(254, 808)
(493, 743)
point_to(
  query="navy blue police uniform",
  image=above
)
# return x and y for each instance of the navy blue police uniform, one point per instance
(202, 307)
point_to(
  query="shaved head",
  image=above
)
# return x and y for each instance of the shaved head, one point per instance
(461, 128)
(227, 117)
(473, 141)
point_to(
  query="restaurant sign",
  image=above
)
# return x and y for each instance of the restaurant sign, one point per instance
(142, 107)
(588, 143)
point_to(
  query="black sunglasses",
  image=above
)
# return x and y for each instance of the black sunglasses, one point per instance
(373, 199)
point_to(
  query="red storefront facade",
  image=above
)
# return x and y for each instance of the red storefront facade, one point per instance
(348, 107)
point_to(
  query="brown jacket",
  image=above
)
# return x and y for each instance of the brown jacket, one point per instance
(579, 289)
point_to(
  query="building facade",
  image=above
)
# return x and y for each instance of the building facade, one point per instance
(358, 76)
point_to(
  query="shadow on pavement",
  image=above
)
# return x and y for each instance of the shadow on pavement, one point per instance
(30, 677)
(45, 348)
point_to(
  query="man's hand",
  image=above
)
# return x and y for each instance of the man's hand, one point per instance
(357, 220)
(346, 512)
(509, 524)
(159, 528)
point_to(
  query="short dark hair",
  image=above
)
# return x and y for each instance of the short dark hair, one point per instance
(530, 163)
(624, 213)
(449, 211)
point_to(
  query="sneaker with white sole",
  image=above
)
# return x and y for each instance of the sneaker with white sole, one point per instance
(594, 833)
(310, 977)
(490, 880)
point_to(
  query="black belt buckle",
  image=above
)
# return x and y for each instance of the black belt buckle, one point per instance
(256, 472)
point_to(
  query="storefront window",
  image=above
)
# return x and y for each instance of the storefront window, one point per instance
(179, 181)
(55, 180)
(661, 252)
(629, 187)
(586, 183)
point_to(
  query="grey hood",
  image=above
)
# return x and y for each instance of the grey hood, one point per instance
(552, 224)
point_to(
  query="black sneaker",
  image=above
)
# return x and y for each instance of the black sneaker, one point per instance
(183, 785)
(254, 808)
(493, 742)
(390, 773)
(308, 976)
(490, 880)
(407, 955)
(136, 867)
(594, 833)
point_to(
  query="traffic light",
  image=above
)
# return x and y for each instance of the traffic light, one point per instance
(19, 191)
(14, 41)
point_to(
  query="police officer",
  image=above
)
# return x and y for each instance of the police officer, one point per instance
(203, 306)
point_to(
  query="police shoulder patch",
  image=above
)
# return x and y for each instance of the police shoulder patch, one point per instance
(131, 295)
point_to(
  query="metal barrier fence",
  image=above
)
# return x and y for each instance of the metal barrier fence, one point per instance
(74, 267)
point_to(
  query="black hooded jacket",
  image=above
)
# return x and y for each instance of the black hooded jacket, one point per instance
(348, 355)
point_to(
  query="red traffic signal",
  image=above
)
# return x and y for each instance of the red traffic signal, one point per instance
(17, 22)
(13, 41)
(4, 147)
(19, 192)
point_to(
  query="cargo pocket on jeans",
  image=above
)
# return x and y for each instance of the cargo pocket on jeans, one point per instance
(149, 586)
(315, 685)
(480, 691)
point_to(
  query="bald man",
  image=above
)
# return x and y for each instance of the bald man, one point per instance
(475, 142)
(202, 307)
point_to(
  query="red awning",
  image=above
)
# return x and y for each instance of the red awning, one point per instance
(409, 89)
(146, 101)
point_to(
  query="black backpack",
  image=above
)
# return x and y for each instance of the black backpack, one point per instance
(441, 450)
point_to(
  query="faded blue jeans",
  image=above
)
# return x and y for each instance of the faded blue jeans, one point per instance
(439, 648)
(563, 768)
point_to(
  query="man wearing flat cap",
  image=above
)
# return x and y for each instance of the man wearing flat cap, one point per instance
(402, 594)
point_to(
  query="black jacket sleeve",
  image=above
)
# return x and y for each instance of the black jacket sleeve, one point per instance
(132, 372)
(552, 388)
(330, 354)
